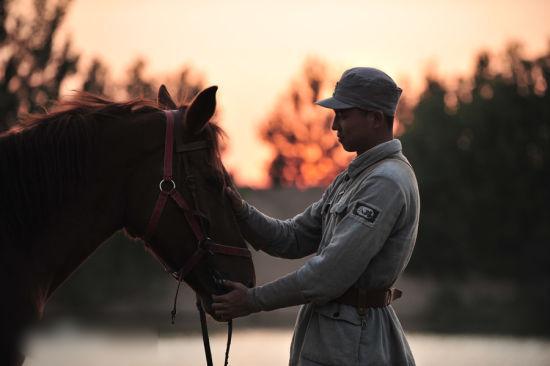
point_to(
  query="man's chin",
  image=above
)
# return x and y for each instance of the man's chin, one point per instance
(347, 148)
(344, 145)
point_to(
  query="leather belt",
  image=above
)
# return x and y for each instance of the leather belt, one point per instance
(363, 299)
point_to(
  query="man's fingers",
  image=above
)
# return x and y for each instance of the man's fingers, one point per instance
(231, 194)
(232, 304)
(219, 306)
(232, 191)
(235, 198)
(222, 313)
(232, 285)
(220, 298)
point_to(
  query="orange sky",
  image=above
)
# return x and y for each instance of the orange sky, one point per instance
(253, 49)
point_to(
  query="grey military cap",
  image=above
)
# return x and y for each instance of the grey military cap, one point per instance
(366, 88)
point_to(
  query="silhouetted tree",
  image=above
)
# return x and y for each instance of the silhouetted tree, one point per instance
(32, 70)
(137, 84)
(484, 171)
(306, 151)
(3, 13)
(183, 84)
(96, 81)
(483, 165)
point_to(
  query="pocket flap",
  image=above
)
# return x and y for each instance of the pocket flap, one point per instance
(338, 208)
(340, 312)
(326, 208)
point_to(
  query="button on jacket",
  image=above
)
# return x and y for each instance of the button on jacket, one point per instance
(362, 232)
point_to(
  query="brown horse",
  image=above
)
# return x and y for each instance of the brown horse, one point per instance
(72, 177)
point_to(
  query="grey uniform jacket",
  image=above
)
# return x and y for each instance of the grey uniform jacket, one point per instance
(362, 231)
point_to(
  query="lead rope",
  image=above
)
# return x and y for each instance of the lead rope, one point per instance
(206, 339)
(228, 345)
(204, 329)
(174, 310)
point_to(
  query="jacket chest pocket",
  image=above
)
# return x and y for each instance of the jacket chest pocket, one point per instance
(337, 212)
(332, 213)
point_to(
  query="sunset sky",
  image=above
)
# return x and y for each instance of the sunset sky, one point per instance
(253, 49)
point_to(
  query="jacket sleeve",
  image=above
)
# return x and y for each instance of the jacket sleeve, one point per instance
(362, 230)
(293, 238)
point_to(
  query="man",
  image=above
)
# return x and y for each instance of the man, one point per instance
(362, 230)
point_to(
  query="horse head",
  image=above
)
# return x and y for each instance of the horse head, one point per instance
(194, 233)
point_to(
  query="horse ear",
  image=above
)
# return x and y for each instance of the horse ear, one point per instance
(202, 108)
(164, 99)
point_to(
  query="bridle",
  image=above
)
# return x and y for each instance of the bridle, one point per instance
(205, 245)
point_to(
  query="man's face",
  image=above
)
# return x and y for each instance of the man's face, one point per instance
(354, 129)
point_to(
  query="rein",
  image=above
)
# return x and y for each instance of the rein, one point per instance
(205, 245)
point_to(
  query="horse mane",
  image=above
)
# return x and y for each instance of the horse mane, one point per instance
(46, 158)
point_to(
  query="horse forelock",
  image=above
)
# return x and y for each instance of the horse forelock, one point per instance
(216, 136)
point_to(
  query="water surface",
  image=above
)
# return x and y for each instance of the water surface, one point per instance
(266, 347)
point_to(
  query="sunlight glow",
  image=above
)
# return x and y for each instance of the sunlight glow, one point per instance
(253, 49)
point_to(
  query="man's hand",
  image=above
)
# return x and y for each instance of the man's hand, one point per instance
(235, 198)
(236, 303)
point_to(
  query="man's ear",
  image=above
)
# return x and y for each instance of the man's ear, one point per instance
(200, 111)
(164, 99)
(377, 118)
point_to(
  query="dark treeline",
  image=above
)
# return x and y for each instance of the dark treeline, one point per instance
(32, 69)
(481, 152)
(482, 157)
(36, 62)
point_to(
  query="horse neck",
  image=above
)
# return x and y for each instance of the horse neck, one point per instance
(83, 224)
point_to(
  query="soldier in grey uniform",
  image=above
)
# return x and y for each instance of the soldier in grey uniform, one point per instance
(362, 232)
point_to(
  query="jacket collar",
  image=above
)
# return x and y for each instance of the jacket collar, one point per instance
(373, 155)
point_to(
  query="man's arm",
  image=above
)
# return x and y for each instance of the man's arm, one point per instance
(358, 237)
(293, 238)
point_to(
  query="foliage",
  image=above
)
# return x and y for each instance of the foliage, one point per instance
(482, 158)
(3, 14)
(306, 152)
(32, 69)
(183, 84)
(96, 81)
(137, 84)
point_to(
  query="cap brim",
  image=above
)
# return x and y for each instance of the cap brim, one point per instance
(333, 103)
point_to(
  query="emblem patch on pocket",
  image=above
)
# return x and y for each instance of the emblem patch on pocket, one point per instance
(366, 212)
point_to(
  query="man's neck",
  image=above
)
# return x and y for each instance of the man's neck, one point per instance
(374, 143)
